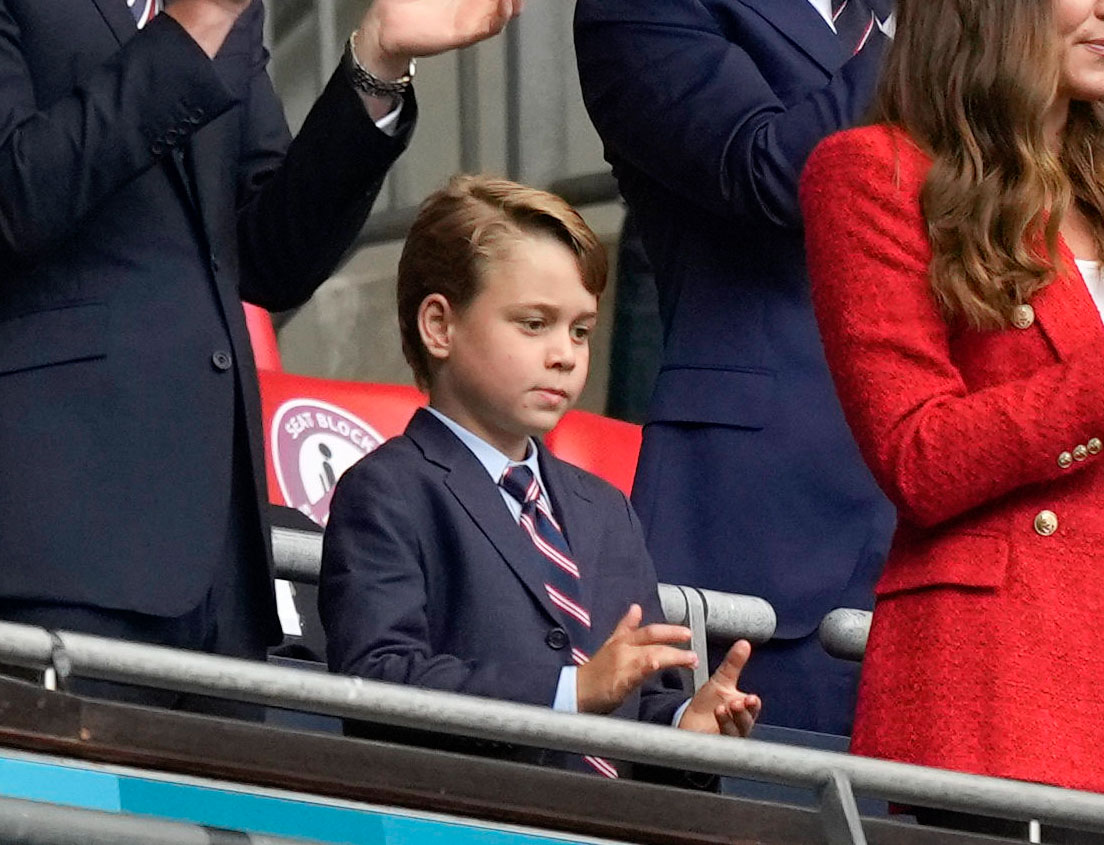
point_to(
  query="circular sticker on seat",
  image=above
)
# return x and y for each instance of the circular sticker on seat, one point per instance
(313, 443)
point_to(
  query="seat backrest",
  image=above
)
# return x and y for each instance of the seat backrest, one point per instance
(315, 429)
(262, 337)
(604, 446)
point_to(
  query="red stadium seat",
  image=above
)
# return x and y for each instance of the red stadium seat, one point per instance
(601, 445)
(315, 429)
(262, 337)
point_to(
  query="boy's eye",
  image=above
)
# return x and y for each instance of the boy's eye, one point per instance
(580, 333)
(532, 324)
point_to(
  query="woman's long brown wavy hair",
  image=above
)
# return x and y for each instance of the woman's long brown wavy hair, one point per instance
(970, 82)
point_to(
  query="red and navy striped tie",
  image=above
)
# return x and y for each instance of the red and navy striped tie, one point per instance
(854, 22)
(143, 10)
(562, 576)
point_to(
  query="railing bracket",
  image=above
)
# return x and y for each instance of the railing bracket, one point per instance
(56, 676)
(840, 814)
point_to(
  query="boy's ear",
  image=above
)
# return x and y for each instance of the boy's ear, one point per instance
(435, 316)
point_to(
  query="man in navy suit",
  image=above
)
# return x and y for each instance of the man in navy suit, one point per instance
(439, 568)
(748, 480)
(148, 183)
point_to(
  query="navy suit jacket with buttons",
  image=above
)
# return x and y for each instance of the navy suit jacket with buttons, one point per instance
(749, 480)
(428, 580)
(144, 191)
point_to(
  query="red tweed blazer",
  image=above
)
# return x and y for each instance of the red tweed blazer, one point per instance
(986, 649)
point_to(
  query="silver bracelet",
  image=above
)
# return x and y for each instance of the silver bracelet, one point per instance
(366, 81)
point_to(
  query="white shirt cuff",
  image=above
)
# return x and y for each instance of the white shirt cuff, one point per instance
(567, 697)
(389, 121)
(889, 25)
(678, 713)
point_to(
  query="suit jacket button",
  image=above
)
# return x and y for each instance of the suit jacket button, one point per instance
(1080, 453)
(1023, 316)
(557, 638)
(222, 361)
(1094, 446)
(1046, 523)
(1065, 460)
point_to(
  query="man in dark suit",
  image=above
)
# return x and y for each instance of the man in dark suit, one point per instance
(442, 569)
(148, 183)
(748, 480)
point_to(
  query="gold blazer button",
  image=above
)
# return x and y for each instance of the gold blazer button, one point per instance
(1094, 446)
(1065, 460)
(1080, 453)
(1023, 316)
(1046, 523)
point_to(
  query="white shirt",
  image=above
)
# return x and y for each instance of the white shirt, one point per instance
(888, 26)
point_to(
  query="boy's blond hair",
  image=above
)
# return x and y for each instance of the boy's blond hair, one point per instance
(468, 223)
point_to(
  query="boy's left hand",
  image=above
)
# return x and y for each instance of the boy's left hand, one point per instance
(719, 707)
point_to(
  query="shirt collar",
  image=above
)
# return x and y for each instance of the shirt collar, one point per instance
(494, 461)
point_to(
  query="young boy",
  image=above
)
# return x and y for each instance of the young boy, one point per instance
(463, 556)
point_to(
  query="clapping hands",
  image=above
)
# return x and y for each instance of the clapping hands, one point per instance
(719, 707)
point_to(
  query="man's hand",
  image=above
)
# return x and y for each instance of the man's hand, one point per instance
(207, 21)
(626, 659)
(719, 707)
(393, 32)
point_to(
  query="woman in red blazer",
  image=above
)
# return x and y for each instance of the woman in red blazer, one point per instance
(968, 354)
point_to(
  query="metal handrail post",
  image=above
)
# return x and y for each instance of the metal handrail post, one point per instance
(838, 811)
(844, 632)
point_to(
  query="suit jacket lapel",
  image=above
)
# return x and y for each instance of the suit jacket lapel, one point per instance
(479, 496)
(580, 520)
(118, 17)
(804, 26)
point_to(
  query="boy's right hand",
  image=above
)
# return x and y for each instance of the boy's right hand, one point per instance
(627, 659)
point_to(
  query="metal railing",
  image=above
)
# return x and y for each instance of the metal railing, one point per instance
(710, 615)
(37, 823)
(844, 631)
(835, 776)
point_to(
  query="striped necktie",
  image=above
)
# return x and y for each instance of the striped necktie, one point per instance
(143, 10)
(855, 23)
(561, 576)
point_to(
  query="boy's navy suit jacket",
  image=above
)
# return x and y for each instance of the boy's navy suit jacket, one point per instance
(749, 480)
(144, 192)
(428, 580)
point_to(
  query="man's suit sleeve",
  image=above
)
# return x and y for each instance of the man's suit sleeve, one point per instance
(373, 598)
(685, 103)
(60, 161)
(301, 206)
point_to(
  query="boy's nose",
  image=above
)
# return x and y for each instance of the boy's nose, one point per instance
(561, 351)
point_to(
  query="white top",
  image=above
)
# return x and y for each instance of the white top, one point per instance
(1090, 272)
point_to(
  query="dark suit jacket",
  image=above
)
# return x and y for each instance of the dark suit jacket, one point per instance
(749, 480)
(144, 191)
(427, 579)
